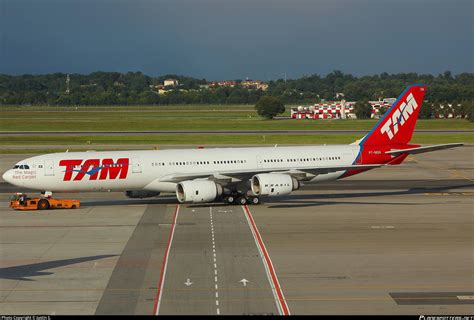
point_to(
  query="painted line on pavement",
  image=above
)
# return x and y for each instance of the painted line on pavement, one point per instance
(282, 306)
(164, 266)
(218, 311)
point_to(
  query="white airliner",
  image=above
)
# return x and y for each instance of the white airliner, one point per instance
(232, 175)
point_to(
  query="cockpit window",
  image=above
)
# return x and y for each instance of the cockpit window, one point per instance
(23, 166)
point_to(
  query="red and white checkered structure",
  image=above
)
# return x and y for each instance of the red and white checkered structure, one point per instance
(333, 110)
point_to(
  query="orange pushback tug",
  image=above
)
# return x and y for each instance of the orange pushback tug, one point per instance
(20, 201)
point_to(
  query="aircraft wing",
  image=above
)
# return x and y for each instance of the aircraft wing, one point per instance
(398, 152)
(235, 176)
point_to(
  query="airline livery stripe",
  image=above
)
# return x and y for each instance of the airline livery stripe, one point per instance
(164, 266)
(267, 262)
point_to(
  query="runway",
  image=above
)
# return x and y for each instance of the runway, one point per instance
(397, 240)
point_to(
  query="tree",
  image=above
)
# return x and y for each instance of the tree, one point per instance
(363, 109)
(426, 111)
(382, 110)
(469, 109)
(136, 88)
(269, 106)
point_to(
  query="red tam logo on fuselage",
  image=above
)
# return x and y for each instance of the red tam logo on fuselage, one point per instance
(108, 169)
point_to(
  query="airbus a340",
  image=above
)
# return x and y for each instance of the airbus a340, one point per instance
(232, 175)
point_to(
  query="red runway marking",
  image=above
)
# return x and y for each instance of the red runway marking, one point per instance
(269, 265)
(165, 264)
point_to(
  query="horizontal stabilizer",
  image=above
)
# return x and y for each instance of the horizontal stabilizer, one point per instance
(424, 149)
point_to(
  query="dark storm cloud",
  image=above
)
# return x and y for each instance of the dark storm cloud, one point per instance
(236, 39)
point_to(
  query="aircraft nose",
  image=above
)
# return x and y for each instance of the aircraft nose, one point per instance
(7, 176)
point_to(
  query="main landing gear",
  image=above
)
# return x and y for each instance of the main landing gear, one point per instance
(241, 199)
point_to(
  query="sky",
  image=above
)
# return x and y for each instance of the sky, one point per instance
(236, 39)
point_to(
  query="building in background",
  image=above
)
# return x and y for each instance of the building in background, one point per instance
(448, 111)
(337, 109)
(378, 105)
(170, 83)
(225, 83)
(254, 84)
(247, 84)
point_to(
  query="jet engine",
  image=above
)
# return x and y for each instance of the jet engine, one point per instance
(273, 184)
(134, 194)
(198, 191)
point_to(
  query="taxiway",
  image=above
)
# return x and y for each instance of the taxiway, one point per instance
(397, 240)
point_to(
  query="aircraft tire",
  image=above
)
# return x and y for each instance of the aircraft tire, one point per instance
(242, 201)
(254, 200)
(229, 200)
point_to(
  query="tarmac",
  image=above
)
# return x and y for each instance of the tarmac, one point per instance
(396, 240)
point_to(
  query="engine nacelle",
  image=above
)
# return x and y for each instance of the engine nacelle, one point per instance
(134, 194)
(198, 191)
(273, 184)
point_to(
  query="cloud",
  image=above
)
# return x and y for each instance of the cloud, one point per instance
(234, 39)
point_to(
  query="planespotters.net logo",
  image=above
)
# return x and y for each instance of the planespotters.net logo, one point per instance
(446, 317)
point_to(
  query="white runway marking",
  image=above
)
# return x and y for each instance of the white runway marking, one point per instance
(215, 262)
(244, 282)
(382, 227)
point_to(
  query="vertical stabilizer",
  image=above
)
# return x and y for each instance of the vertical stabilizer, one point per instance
(398, 123)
